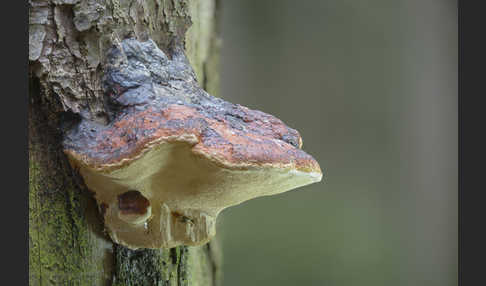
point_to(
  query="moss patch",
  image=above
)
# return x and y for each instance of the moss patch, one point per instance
(63, 249)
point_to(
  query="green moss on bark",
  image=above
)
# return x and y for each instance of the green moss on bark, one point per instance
(64, 243)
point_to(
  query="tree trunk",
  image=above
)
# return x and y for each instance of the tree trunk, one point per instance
(67, 43)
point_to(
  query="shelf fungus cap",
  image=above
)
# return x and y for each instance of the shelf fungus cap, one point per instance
(174, 157)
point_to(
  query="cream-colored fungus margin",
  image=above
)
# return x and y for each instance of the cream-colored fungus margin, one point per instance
(186, 191)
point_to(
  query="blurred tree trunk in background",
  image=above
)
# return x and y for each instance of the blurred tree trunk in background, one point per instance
(67, 42)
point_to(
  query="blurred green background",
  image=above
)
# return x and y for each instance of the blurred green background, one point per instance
(372, 88)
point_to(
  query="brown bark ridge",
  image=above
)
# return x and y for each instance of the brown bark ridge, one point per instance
(68, 41)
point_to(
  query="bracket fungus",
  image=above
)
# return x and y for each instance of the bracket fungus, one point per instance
(173, 157)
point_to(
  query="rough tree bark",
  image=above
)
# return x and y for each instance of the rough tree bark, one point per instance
(67, 43)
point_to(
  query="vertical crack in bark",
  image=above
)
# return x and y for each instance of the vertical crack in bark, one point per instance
(181, 267)
(38, 229)
(214, 263)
